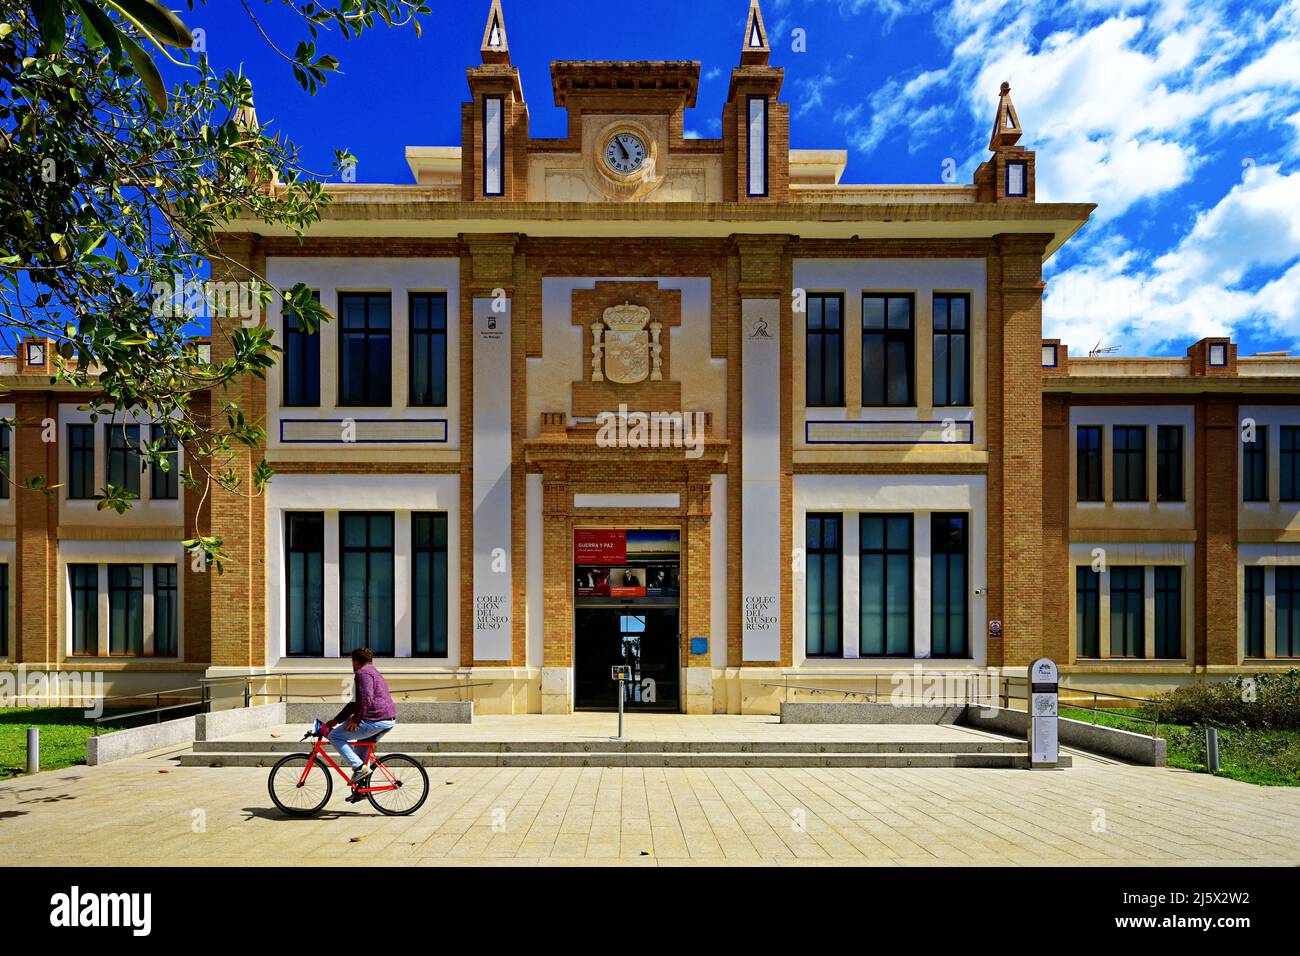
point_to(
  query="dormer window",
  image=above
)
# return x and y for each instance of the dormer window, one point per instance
(35, 354)
(1218, 355)
(1016, 187)
(1050, 359)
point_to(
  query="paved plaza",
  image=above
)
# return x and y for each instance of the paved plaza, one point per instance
(148, 810)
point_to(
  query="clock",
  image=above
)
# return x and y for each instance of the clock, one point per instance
(625, 153)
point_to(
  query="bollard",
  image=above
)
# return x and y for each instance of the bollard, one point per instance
(1212, 749)
(33, 750)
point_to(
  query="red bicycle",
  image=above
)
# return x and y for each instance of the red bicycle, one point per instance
(301, 785)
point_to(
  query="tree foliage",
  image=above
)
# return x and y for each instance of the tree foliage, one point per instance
(114, 191)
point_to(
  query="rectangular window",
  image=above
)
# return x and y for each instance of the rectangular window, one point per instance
(888, 350)
(428, 349)
(4, 461)
(4, 610)
(1016, 186)
(825, 351)
(824, 614)
(429, 591)
(1169, 612)
(951, 353)
(1254, 612)
(885, 585)
(494, 137)
(1288, 612)
(757, 146)
(301, 363)
(165, 485)
(1169, 463)
(126, 609)
(83, 583)
(366, 587)
(1088, 480)
(1129, 463)
(365, 349)
(1127, 612)
(81, 461)
(165, 610)
(1087, 612)
(1254, 466)
(949, 627)
(305, 594)
(123, 443)
(1289, 466)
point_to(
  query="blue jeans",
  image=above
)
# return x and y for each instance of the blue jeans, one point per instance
(340, 737)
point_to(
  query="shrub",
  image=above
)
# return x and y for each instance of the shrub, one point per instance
(1264, 701)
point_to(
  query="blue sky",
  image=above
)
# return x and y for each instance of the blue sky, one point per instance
(1179, 118)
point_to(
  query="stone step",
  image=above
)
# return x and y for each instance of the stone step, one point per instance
(973, 746)
(994, 761)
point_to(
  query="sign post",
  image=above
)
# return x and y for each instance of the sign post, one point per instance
(620, 673)
(1044, 708)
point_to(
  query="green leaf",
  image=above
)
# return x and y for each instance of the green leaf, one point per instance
(53, 27)
(149, 75)
(98, 26)
(156, 20)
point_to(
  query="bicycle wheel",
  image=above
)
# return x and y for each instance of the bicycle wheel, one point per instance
(401, 785)
(296, 791)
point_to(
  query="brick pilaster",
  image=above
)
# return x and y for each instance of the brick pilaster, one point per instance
(34, 579)
(1217, 497)
(238, 518)
(1016, 446)
(1056, 528)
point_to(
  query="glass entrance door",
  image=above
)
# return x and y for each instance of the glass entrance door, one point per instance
(643, 638)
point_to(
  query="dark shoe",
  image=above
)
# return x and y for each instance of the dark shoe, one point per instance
(361, 775)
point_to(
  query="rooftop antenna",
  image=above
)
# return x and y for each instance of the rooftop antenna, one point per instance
(1099, 349)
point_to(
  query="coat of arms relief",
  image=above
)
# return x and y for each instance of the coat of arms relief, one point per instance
(625, 346)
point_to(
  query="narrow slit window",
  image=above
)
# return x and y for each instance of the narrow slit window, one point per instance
(757, 146)
(494, 135)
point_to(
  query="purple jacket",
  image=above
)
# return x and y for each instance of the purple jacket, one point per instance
(372, 700)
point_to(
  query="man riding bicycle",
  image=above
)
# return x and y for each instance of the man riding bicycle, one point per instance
(371, 713)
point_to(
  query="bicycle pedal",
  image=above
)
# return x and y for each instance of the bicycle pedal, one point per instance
(356, 798)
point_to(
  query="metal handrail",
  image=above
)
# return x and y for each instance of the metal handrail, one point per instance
(873, 694)
(148, 710)
(205, 697)
(399, 693)
(149, 693)
(1095, 710)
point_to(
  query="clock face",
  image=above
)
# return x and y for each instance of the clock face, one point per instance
(625, 153)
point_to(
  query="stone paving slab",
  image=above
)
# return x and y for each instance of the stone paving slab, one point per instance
(150, 811)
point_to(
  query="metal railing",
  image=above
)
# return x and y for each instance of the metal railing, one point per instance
(205, 696)
(1003, 694)
(1095, 710)
(157, 710)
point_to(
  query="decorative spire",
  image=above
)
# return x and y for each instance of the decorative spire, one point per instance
(1006, 126)
(495, 48)
(756, 50)
(246, 116)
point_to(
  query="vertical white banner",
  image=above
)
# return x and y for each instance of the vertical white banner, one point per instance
(760, 425)
(492, 557)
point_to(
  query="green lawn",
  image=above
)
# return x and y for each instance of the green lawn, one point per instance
(63, 736)
(1270, 758)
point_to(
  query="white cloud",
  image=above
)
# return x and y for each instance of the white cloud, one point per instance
(1203, 286)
